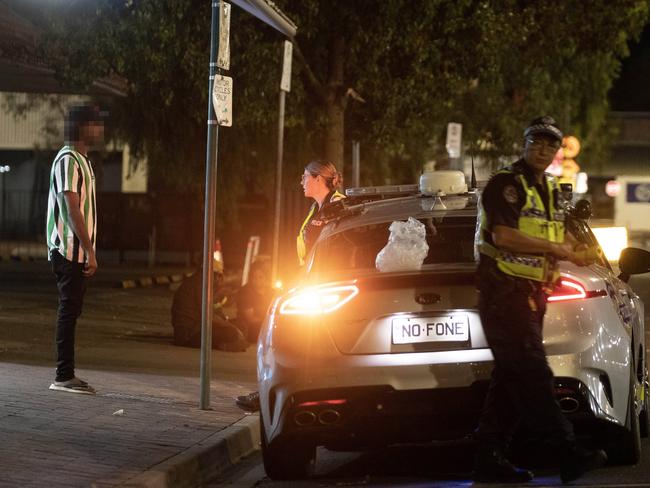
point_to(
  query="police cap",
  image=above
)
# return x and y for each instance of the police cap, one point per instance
(543, 125)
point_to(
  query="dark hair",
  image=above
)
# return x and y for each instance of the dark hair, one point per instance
(79, 115)
(326, 169)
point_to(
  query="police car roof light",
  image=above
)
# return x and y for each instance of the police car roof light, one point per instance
(382, 191)
(441, 183)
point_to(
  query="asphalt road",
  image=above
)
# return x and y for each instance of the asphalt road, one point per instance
(442, 465)
(130, 330)
(119, 329)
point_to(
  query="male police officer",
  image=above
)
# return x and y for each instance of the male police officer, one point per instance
(521, 238)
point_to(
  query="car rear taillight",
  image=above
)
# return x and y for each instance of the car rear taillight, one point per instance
(569, 289)
(318, 300)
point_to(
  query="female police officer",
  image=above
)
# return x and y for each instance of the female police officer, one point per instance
(320, 181)
(521, 238)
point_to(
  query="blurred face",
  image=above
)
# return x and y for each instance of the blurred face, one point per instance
(92, 133)
(539, 151)
(312, 185)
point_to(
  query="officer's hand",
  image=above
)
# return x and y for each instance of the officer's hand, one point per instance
(584, 255)
(562, 251)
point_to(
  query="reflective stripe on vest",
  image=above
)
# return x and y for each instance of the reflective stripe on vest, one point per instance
(301, 245)
(533, 222)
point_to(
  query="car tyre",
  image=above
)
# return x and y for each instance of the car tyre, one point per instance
(627, 449)
(287, 459)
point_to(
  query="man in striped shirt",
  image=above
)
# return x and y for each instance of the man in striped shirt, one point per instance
(71, 234)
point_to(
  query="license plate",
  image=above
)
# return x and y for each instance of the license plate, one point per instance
(445, 328)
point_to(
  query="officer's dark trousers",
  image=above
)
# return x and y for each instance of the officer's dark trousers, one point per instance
(522, 386)
(72, 286)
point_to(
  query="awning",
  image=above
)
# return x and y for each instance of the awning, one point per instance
(267, 12)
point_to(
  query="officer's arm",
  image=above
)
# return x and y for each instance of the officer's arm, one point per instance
(511, 239)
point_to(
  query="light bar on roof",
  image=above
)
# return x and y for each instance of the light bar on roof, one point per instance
(393, 190)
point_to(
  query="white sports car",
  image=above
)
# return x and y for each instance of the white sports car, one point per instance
(357, 358)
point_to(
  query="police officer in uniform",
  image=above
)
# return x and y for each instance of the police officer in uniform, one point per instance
(320, 181)
(521, 239)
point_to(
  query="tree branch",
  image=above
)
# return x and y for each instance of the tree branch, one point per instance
(352, 93)
(312, 81)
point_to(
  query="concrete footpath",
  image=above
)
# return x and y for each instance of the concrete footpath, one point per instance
(137, 431)
(143, 428)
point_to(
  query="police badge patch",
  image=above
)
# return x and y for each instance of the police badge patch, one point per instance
(510, 194)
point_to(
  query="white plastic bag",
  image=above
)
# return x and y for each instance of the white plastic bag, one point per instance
(406, 249)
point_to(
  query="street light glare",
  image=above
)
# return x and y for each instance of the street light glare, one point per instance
(612, 240)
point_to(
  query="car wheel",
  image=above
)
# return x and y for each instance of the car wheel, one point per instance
(628, 448)
(286, 459)
(644, 417)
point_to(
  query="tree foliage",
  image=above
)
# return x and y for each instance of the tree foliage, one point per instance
(390, 73)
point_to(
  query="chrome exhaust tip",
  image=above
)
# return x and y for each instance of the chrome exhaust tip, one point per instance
(304, 418)
(569, 404)
(329, 417)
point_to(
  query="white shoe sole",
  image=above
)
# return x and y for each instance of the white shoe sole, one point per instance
(80, 391)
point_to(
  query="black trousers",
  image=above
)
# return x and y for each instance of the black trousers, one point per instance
(522, 384)
(72, 287)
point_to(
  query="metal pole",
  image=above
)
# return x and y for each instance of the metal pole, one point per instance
(208, 224)
(3, 202)
(278, 187)
(356, 163)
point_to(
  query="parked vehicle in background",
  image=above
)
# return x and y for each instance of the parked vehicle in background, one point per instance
(632, 203)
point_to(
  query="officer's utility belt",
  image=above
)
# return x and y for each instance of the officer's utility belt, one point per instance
(537, 267)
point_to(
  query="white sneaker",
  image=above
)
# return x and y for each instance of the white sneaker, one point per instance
(75, 385)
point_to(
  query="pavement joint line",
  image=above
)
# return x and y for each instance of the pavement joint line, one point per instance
(204, 460)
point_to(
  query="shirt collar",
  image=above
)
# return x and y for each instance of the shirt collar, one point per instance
(524, 169)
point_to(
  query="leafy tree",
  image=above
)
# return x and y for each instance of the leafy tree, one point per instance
(389, 73)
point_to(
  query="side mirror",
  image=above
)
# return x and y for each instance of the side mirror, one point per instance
(633, 261)
(582, 210)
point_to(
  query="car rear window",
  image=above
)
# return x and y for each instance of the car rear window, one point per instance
(450, 240)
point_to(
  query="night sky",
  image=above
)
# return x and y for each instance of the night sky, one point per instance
(631, 92)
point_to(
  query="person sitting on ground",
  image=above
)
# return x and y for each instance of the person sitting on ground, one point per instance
(186, 315)
(253, 301)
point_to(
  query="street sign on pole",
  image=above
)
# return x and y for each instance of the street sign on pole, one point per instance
(285, 82)
(454, 139)
(223, 58)
(222, 99)
(222, 87)
(207, 297)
